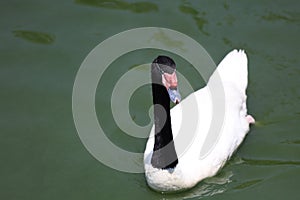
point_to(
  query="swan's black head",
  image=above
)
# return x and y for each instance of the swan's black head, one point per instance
(164, 73)
(166, 63)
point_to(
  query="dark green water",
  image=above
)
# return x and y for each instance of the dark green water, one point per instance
(42, 46)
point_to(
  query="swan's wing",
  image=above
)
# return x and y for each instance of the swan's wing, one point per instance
(233, 70)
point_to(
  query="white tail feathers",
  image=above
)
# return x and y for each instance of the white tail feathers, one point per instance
(233, 69)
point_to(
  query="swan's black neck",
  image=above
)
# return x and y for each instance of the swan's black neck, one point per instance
(164, 154)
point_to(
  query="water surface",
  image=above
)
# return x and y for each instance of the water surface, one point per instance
(42, 46)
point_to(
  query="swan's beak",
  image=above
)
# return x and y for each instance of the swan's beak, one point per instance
(170, 82)
(174, 95)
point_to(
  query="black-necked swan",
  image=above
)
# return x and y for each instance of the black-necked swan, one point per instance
(164, 169)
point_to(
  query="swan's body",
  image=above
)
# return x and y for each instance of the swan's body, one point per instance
(191, 168)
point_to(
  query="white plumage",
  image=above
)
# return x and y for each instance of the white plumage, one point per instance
(191, 169)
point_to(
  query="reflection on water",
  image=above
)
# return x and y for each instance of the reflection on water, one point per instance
(221, 179)
(199, 17)
(162, 37)
(35, 37)
(212, 186)
(238, 45)
(286, 16)
(137, 7)
(226, 5)
(207, 188)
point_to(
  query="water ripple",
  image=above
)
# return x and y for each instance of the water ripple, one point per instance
(247, 184)
(269, 162)
(284, 16)
(35, 37)
(199, 18)
(137, 7)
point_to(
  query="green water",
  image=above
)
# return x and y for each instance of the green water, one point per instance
(42, 46)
